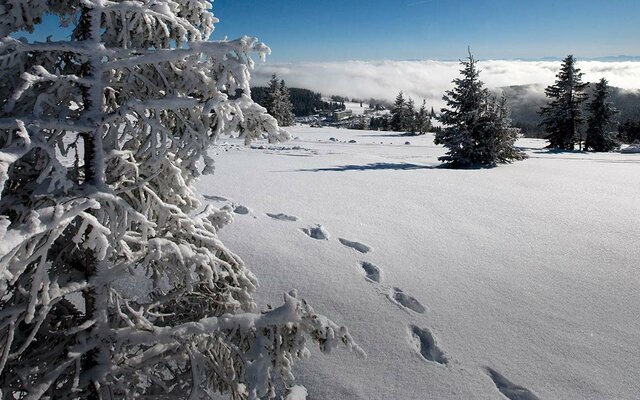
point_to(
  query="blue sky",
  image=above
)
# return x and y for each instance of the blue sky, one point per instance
(333, 30)
(338, 30)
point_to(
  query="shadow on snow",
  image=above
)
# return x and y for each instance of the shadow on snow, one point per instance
(375, 166)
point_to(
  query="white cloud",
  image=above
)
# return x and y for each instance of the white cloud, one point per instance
(429, 79)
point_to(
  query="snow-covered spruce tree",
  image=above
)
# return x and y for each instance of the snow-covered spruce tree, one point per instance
(410, 116)
(601, 126)
(273, 97)
(278, 102)
(398, 119)
(286, 106)
(476, 129)
(501, 136)
(422, 119)
(562, 116)
(101, 139)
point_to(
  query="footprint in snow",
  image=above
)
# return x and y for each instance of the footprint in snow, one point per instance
(425, 344)
(242, 210)
(215, 198)
(316, 232)
(407, 301)
(361, 247)
(283, 217)
(373, 272)
(509, 389)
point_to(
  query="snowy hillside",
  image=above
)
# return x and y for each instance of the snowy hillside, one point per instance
(459, 284)
(355, 108)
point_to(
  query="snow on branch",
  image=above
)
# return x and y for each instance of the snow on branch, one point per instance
(101, 140)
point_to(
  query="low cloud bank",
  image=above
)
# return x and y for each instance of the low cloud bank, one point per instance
(429, 79)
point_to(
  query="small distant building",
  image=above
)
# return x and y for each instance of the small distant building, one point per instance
(341, 115)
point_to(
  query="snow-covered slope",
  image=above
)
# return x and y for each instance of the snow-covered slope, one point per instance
(459, 284)
(356, 108)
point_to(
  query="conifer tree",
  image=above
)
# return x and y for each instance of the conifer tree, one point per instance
(463, 120)
(423, 120)
(601, 127)
(279, 102)
(476, 130)
(101, 139)
(562, 116)
(409, 116)
(501, 136)
(398, 121)
(274, 97)
(286, 107)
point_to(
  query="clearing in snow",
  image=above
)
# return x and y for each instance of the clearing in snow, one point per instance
(529, 268)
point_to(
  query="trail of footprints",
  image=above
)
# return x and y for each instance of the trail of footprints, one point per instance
(422, 339)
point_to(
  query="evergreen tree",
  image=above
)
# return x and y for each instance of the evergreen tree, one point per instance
(274, 98)
(562, 117)
(500, 136)
(433, 113)
(601, 135)
(423, 120)
(630, 131)
(101, 140)
(398, 122)
(409, 116)
(278, 102)
(286, 107)
(476, 130)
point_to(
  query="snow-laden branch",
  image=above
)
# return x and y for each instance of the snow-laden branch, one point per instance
(214, 49)
(101, 141)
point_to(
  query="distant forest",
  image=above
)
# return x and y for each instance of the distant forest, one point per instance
(306, 102)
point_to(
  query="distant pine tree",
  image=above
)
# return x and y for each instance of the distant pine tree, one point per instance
(630, 131)
(398, 123)
(273, 97)
(433, 113)
(409, 116)
(601, 135)
(423, 119)
(500, 135)
(278, 102)
(476, 130)
(563, 114)
(286, 107)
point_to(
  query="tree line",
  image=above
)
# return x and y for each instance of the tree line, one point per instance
(285, 103)
(478, 130)
(564, 115)
(569, 118)
(405, 117)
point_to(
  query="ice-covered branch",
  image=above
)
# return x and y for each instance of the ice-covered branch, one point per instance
(101, 140)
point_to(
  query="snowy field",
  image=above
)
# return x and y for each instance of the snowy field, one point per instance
(459, 284)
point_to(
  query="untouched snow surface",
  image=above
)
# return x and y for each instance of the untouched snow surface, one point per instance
(518, 282)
